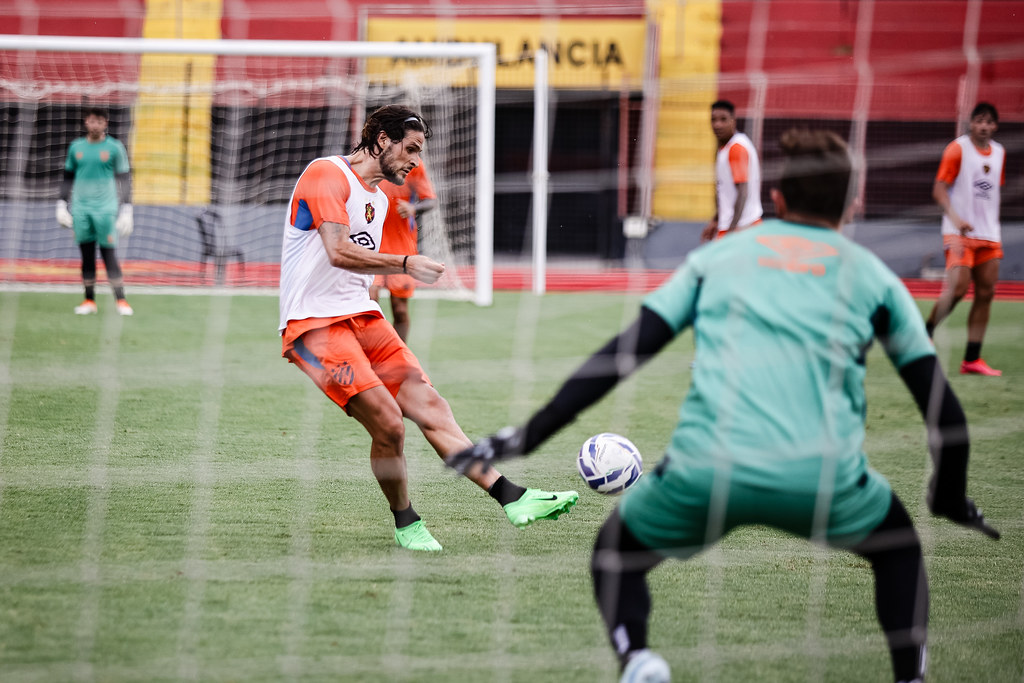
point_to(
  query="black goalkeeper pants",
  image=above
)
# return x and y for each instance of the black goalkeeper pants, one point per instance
(110, 262)
(620, 563)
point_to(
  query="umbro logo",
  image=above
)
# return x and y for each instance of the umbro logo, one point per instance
(983, 189)
(795, 254)
(364, 239)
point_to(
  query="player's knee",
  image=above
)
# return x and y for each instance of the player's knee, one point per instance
(893, 542)
(391, 431)
(613, 544)
(400, 309)
(437, 410)
(386, 427)
(957, 293)
(983, 294)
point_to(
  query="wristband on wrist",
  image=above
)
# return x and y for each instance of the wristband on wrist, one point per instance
(405, 262)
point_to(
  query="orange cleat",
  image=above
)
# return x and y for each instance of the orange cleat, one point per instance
(978, 367)
(87, 307)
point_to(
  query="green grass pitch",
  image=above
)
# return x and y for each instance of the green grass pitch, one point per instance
(177, 503)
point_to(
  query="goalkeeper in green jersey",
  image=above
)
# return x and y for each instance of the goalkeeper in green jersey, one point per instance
(772, 428)
(97, 181)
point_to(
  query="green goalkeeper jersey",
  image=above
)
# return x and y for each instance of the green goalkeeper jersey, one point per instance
(95, 164)
(783, 317)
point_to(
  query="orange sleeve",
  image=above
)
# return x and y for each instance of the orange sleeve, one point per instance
(949, 167)
(399, 236)
(323, 190)
(420, 183)
(739, 163)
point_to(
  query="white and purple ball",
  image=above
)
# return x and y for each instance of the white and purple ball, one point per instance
(609, 463)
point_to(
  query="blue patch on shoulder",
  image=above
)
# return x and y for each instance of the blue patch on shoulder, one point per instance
(303, 216)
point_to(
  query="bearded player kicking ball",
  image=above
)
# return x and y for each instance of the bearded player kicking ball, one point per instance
(338, 336)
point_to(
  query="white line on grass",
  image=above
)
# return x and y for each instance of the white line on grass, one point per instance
(506, 569)
(107, 382)
(300, 566)
(8, 318)
(212, 363)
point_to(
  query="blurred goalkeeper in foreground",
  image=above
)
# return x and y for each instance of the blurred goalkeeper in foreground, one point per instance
(337, 335)
(772, 428)
(97, 180)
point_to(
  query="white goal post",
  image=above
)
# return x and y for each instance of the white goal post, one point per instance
(453, 84)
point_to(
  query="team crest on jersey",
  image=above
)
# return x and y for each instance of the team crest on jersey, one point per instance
(986, 168)
(795, 254)
(104, 156)
(370, 212)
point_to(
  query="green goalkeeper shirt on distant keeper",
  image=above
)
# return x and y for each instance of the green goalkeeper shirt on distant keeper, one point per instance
(783, 317)
(95, 164)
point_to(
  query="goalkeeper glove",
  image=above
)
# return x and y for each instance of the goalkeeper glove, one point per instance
(507, 443)
(63, 215)
(125, 222)
(963, 512)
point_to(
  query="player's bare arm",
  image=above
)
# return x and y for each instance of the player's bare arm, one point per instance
(342, 253)
(711, 228)
(737, 209)
(940, 193)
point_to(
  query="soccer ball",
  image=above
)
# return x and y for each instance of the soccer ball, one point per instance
(609, 463)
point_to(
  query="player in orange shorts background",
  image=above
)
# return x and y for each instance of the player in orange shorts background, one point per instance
(406, 202)
(967, 188)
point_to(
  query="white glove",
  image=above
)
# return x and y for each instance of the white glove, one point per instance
(125, 221)
(63, 215)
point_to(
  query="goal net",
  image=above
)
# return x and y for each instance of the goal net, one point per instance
(218, 132)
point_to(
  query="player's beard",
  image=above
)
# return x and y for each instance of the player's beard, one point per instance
(390, 169)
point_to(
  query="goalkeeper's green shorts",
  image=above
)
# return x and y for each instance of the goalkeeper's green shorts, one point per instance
(95, 226)
(679, 511)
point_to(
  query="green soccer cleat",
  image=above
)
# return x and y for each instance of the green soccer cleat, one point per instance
(536, 504)
(416, 537)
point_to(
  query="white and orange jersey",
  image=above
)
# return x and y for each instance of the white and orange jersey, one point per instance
(736, 163)
(328, 191)
(974, 177)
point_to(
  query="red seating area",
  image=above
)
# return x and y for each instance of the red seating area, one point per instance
(915, 55)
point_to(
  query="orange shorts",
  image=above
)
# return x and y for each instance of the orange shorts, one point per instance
(399, 284)
(353, 355)
(969, 252)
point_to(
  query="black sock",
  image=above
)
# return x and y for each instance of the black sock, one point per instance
(973, 352)
(901, 589)
(505, 492)
(618, 569)
(118, 293)
(90, 292)
(930, 327)
(404, 518)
